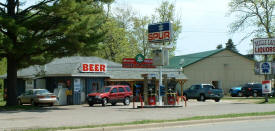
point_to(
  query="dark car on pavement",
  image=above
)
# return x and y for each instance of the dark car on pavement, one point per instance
(236, 91)
(201, 92)
(111, 94)
(252, 89)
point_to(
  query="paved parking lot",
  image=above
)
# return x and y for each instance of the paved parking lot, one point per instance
(77, 115)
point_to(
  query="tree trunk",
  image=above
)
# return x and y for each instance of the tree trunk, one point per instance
(12, 81)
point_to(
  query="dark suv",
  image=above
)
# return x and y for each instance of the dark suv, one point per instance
(252, 89)
(111, 94)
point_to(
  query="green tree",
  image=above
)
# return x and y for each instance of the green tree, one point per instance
(3, 70)
(125, 18)
(230, 45)
(219, 46)
(140, 33)
(115, 45)
(166, 12)
(45, 30)
(258, 15)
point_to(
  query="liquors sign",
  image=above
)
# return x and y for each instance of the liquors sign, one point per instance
(264, 46)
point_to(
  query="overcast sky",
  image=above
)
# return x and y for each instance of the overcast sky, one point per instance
(205, 23)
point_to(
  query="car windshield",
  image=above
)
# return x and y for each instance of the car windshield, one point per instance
(258, 85)
(195, 87)
(106, 89)
(41, 92)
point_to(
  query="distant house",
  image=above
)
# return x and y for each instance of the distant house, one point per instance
(222, 67)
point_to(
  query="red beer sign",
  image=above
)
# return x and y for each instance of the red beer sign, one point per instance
(91, 67)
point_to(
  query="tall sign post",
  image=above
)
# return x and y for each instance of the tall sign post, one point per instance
(264, 46)
(158, 34)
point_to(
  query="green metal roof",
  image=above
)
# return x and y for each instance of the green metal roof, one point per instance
(176, 61)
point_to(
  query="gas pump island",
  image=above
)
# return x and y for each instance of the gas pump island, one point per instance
(159, 36)
(167, 91)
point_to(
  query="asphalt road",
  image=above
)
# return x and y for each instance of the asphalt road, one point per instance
(249, 125)
(79, 115)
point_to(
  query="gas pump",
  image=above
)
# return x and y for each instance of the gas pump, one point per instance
(137, 90)
(152, 91)
(171, 91)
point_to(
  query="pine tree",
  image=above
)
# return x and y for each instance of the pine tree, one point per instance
(230, 45)
(219, 46)
(46, 30)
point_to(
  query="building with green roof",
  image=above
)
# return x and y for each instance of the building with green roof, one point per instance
(223, 68)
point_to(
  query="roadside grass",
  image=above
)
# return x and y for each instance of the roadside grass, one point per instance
(159, 121)
(242, 98)
(256, 100)
(20, 108)
(270, 101)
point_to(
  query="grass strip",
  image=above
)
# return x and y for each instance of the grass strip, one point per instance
(20, 108)
(242, 98)
(270, 101)
(257, 100)
(159, 121)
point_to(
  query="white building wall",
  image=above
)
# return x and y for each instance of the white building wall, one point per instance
(40, 83)
(29, 84)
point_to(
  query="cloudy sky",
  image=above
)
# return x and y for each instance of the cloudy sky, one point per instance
(205, 23)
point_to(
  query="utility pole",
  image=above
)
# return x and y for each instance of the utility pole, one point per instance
(160, 84)
(265, 78)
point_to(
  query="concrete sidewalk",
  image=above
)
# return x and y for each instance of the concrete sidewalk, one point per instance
(81, 115)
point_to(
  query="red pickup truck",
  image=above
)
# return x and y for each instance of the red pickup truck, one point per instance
(111, 94)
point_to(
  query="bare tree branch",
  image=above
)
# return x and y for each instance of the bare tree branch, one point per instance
(30, 8)
(2, 4)
(31, 16)
(2, 10)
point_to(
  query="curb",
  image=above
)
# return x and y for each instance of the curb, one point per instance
(171, 124)
(164, 106)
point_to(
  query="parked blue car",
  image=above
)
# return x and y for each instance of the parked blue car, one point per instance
(236, 91)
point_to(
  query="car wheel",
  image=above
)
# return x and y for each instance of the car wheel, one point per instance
(113, 103)
(255, 94)
(33, 103)
(104, 101)
(240, 94)
(217, 100)
(19, 102)
(126, 101)
(202, 98)
(91, 104)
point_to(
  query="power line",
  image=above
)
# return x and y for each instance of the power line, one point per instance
(188, 31)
